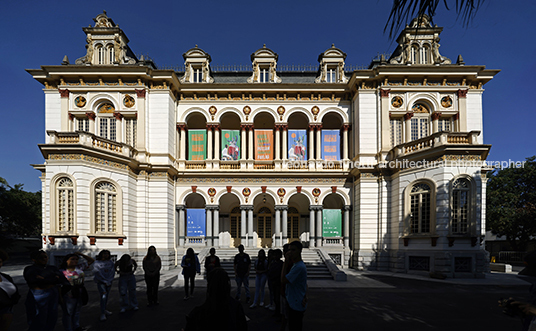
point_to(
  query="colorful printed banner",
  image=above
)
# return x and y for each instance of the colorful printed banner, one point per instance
(195, 222)
(264, 145)
(230, 140)
(331, 223)
(331, 145)
(297, 141)
(197, 145)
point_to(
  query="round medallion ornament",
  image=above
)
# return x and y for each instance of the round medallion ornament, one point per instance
(281, 111)
(128, 101)
(316, 192)
(246, 192)
(80, 101)
(446, 102)
(397, 102)
(247, 111)
(212, 191)
(212, 110)
(281, 192)
(315, 110)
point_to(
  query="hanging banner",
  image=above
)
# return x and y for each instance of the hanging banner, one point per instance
(297, 142)
(331, 145)
(197, 145)
(263, 145)
(331, 223)
(230, 140)
(195, 222)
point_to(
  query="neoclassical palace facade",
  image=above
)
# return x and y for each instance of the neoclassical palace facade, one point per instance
(379, 168)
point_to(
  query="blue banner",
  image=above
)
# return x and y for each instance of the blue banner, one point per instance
(195, 222)
(297, 143)
(331, 145)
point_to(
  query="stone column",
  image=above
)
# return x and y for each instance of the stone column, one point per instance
(251, 151)
(435, 117)
(209, 141)
(285, 224)
(311, 142)
(462, 110)
(119, 128)
(209, 225)
(250, 227)
(319, 141)
(91, 119)
(277, 226)
(345, 146)
(407, 123)
(217, 137)
(64, 104)
(346, 226)
(182, 228)
(243, 225)
(140, 141)
(319, 226)
(72, 123)
(182, 138)
(277, 142)
(216, 226)
(243, 142)
(312, 235)
(284, 132)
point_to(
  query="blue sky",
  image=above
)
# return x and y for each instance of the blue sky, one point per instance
(36, 33)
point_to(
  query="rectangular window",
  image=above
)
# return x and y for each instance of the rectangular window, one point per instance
(462, 264)
(331, 75)
(131, 131)
(83, 124)
(460, 217)
(443, 124)
(419, 128)
(396, 131)
(265, 76)
(198, 75)
(420, 263)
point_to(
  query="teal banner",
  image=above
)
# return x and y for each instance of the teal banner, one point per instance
(331, 223)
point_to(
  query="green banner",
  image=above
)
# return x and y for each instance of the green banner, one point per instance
(331, 223)
(197, 147)
(230, 142)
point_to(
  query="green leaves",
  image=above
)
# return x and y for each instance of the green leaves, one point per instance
(511, 204)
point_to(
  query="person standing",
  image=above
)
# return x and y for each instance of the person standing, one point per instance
(190, 265)
(242, 264)
(9, 296)
(42, 300)
(296, 286)
(103, 275)
(274, 280)
(212, 261)
(74, 299)
(151, 266)
(261, 267)
(126, 267)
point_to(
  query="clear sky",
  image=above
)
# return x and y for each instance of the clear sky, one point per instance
(36, 33)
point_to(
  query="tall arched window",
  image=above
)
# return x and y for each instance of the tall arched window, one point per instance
(235, 223)
(100, 54)
(65, 203)
(420, 208)
(414, 56)
(461, 204)
(425, 55)
(111, 54)
(105, 208)
(420, 127)
(107, 123)
(264, 223)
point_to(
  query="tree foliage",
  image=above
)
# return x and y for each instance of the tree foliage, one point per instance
(511, 204)
(403, 11)
(20, 211)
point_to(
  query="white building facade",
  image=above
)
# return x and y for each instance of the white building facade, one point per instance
(380, 168)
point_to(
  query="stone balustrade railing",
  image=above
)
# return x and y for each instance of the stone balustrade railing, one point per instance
(434, 140)
(90, 140)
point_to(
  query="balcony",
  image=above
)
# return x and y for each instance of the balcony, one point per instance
(87, 139)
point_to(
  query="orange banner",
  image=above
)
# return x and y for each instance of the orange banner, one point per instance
(264, 142)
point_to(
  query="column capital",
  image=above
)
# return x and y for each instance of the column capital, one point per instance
(140, 93)
(64, 93)
(408, 116)
(71, 116)
(181, 126)
(384, 93)
(462, 93)
(246, 207)
(118, 116)
(347, 126)
(457, 116)
(316, 208)
(347, 208)
(212, 207)
(180, 207)
(436, 115)
(91, 116)
(281, 207)
(246, 126)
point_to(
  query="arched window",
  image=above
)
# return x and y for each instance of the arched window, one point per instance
(414, 56)
(461, 206)
(65, 203)
(111, 54)
(100, 54)
(293, 222)
(420, 219)
(425, 55)
(107, 123)
(264, 223)
(105, 208)
(420, 127)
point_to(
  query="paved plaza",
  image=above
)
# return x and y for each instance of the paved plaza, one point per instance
(367, 301)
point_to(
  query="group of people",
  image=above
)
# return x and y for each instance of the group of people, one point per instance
(51, 287)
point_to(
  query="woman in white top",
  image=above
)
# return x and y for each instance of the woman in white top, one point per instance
(9, 296)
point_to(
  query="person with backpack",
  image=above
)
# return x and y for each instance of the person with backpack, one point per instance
(190, 266)
(126, 267)
(242, 264)
(212, 261)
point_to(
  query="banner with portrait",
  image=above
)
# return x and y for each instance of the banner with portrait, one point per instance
(264, 141)
(331, 145)
(230, 142)
(297, 145)
(195, 222)
(197, 145)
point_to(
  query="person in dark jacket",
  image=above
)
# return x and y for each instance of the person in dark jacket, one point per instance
(190, 265)
(151, 266)
(212, 261)
(126, 267)
(45, 282)
(220, 311)
(9, 295)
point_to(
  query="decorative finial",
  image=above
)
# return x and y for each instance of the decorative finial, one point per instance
(195, 45)
(65, 60)
(460, 61)
(264, 46)
(104, 11)
(332, 45)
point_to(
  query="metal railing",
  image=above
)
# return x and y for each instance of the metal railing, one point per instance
(511, 256)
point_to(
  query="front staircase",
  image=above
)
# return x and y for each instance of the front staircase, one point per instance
(316, 268)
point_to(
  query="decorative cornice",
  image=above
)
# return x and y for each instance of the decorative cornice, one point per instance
(91, 159)
(462, 93)
(236, 181)
(408, 116)
(118, 116)
(91, 116)
(435, 116)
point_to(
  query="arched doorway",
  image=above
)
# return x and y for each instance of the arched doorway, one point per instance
(230, 220)
(236, 226)
(264, 227)
(293, 224)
